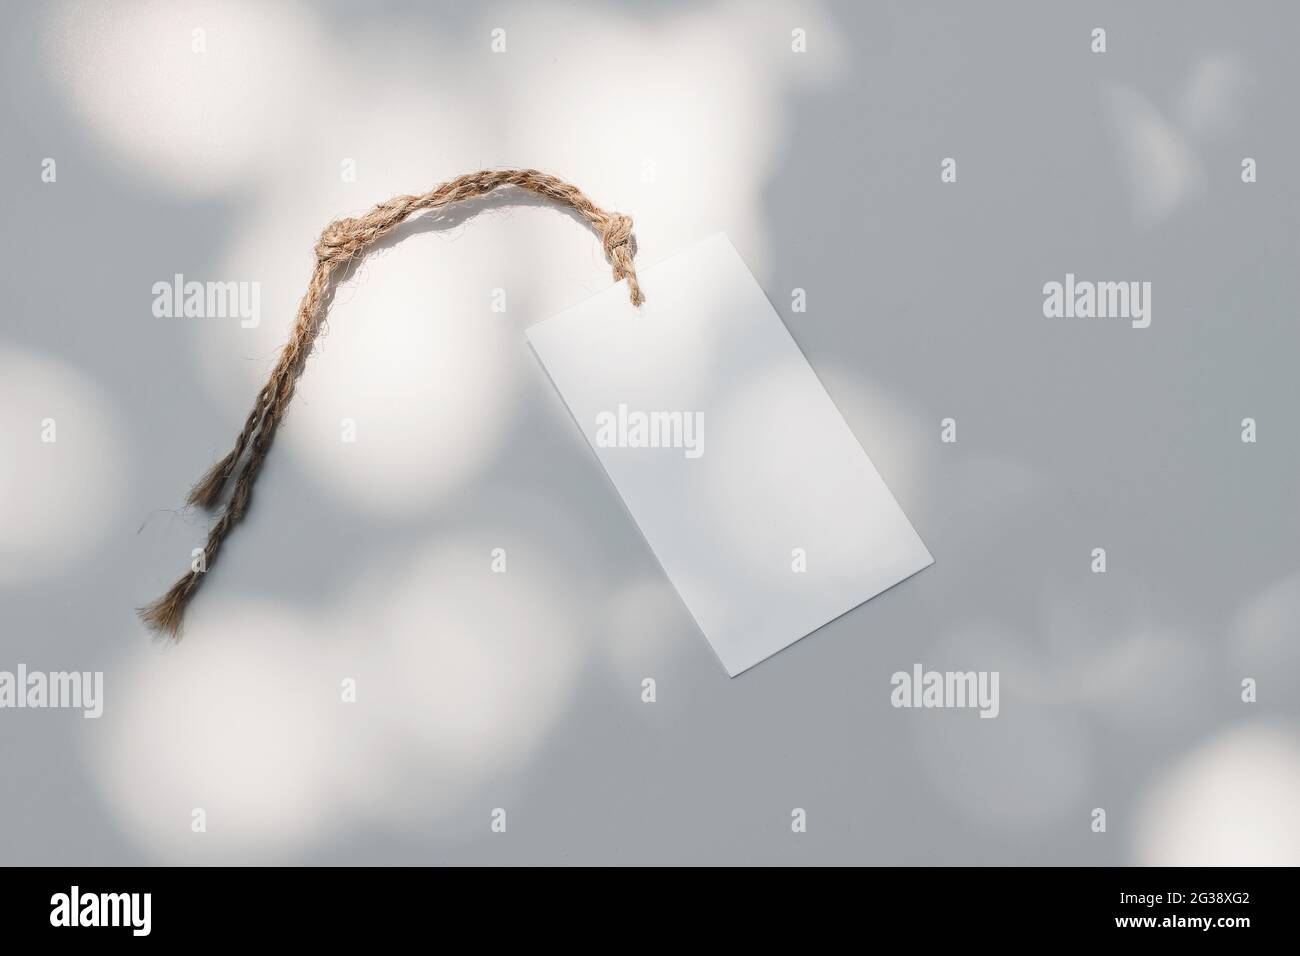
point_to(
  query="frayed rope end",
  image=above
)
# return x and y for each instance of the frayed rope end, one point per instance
(164, 616)
(207, 493)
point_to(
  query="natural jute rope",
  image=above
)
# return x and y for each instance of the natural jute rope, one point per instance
(340, 243)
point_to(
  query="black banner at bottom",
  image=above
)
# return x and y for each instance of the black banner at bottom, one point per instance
(365, 904)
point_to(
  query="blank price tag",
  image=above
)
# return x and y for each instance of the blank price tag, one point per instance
(757, 499)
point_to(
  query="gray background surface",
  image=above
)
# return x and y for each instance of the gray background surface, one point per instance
(522, 691)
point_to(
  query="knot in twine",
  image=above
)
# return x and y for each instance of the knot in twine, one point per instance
(620, 247)
(339, 243)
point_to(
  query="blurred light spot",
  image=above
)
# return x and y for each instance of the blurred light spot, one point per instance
(460, 675)
(428, 386)
(464, 671)
(1263, 641)
(646, 628)
(60, 496)
(1017, 772)
(234, 720)
(694, 154)
(195, 120)
(1102, 655)
(1162, 170)
(1234, 801)
(1113, 676)
(1213, 95)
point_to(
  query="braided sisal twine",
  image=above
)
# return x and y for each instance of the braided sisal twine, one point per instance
(341, 242)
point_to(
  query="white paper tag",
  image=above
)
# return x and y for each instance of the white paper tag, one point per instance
(745, 480)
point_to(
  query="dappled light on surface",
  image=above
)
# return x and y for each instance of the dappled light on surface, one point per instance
(188, 96)
(457, 674)
(61, 466)
(1233, 801)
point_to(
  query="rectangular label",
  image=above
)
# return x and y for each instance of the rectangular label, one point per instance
(756, 498)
